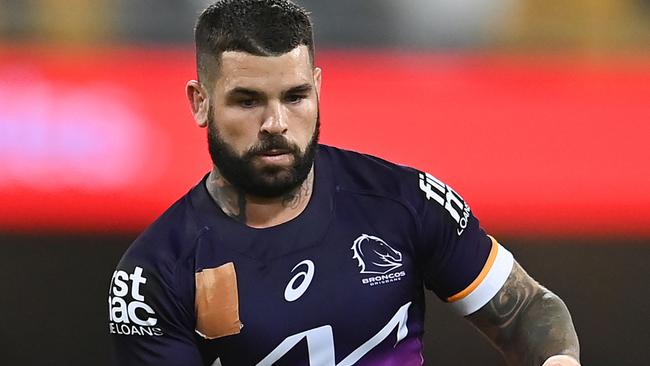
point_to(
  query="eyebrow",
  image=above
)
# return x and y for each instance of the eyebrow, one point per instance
(303, 88)
(252, 93)
(244, 91)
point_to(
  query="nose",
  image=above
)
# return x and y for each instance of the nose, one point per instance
(275, 119)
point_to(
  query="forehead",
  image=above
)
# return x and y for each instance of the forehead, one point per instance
(241, 69)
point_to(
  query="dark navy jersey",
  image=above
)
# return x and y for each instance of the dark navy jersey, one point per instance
(341, 284)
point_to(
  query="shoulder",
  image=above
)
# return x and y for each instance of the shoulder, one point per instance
(158, 267)
(169, 241)
(424, 195)
(364, 173)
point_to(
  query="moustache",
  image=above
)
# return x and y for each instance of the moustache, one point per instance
(270, 143)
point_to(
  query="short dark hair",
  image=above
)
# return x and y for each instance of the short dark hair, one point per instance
(258, 27)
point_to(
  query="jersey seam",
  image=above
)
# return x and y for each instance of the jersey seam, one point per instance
(199, 230)
(176, 278)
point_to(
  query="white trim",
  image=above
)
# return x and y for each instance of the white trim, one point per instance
(490, 285)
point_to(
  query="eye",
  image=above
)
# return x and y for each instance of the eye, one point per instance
(247, 103)
(295, 98)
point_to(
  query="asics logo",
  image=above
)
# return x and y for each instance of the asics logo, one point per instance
(302, 279)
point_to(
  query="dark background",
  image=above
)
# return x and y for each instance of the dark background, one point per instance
(54, 300)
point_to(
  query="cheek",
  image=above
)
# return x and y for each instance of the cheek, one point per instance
(236, 126)
(305, 120)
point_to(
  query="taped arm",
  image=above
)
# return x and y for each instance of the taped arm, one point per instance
(528, 323)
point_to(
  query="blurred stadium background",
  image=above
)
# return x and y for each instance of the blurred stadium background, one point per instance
(536, 111)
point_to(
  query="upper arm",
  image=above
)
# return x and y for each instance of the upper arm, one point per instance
(479, 279)
(148, 322)
(527, 322)
(463, 265)
(497, 317)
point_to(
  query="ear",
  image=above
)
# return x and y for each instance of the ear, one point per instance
(318, 75)
(199, 102)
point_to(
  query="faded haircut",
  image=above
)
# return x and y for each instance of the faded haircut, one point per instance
(258, 27)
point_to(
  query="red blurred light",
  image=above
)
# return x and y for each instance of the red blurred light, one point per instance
(104, 140)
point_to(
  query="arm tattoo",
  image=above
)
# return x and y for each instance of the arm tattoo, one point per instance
(509, 302)
(527, 322)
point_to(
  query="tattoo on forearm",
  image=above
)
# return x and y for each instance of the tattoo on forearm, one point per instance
(527, 322)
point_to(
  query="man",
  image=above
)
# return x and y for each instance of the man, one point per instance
(293, 253)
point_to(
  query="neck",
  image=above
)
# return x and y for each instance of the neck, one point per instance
(259, 212)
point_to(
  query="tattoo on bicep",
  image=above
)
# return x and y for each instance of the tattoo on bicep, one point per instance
(526, 321)
(512, 299)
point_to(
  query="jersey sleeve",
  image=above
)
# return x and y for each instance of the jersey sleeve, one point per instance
(463, 265)
(149, 323)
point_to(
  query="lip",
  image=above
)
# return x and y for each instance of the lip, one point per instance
(276, 156)
(275, 152)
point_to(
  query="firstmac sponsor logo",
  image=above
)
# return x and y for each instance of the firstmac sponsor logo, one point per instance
(436, 190)
(376, 257)
(128, 312)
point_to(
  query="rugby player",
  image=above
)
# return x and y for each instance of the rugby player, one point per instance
(290, 252)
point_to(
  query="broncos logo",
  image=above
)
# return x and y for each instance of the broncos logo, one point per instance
(375, 255)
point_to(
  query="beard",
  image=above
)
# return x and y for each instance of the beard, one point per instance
(263, 181)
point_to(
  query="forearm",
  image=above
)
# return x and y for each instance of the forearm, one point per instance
(527, 322)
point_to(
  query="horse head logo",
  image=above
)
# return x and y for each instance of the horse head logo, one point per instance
(375, 256)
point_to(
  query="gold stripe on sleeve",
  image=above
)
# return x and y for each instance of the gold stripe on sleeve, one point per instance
(481, 276)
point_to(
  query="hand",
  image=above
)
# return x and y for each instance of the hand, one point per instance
(561, 360)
